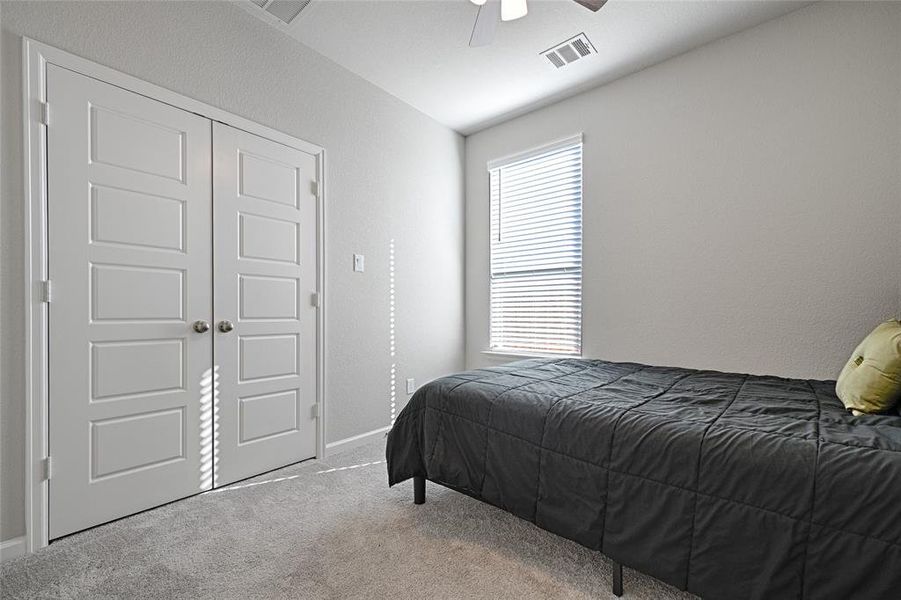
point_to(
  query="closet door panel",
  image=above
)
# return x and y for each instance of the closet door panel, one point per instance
(129, 214)
(265, 272)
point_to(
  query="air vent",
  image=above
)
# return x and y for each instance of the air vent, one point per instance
(555, 59)
(571, 50)
(283, 10)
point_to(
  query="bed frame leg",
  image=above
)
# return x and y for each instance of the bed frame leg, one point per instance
(617, 579)
(418, 490)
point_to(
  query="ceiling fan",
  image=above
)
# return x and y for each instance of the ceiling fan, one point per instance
(491, 12)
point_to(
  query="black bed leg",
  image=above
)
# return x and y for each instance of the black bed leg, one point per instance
(418, 490)
(617, 579)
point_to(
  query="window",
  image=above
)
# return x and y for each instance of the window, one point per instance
(536, 251)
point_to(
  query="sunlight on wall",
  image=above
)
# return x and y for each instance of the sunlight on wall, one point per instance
(392, 394)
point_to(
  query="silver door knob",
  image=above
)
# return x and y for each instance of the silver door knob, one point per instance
(226, 326)
(201, 326)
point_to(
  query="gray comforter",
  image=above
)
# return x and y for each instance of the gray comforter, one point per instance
(730, 486)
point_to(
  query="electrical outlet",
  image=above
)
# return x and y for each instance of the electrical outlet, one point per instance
(411, 385)
(359, 264)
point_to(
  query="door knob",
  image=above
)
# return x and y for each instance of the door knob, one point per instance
(225, 326)
(201, 326)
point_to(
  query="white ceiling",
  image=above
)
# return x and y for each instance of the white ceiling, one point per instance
(418, 50)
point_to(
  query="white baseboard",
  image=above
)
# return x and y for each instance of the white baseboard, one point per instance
(12, 548)
(333, 448)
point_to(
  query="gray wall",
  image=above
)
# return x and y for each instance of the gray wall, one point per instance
(393, 173)
(742, 202)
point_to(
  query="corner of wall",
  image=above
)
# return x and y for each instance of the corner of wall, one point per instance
(12, 361)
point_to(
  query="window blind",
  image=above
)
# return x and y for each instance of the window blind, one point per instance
(536, 251)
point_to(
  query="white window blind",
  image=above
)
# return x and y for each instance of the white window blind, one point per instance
(536, 251)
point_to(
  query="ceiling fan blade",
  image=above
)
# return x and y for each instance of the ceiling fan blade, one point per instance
(592, 5)
(486, 24)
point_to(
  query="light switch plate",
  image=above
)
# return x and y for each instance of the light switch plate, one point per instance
(359, 264)
(411, 385)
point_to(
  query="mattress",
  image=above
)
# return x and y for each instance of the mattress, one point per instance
(727, 485)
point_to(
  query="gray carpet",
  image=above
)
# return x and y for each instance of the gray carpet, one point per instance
(320, 529)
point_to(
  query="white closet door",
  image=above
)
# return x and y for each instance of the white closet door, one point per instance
(129, 192)
(264, 215)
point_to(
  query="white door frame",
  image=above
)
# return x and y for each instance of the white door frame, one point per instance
(35, 57)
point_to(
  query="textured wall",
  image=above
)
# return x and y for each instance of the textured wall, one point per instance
(742, 202)
(393, 173)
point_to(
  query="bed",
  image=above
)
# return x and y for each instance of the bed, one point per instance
(725, 485)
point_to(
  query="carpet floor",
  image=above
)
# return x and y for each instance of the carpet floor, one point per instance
(320, 529)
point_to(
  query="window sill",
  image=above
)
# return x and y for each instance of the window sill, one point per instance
(513, 354)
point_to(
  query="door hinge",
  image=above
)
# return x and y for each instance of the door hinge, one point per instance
(317, 188)
(48, 471)
(46, 291)
(316, 299)
(314, 411)
(45, 113)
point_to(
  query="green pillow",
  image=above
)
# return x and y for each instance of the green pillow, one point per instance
(871, 381)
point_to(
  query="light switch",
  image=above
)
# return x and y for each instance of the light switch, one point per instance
(358, 263)
(411, 385)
